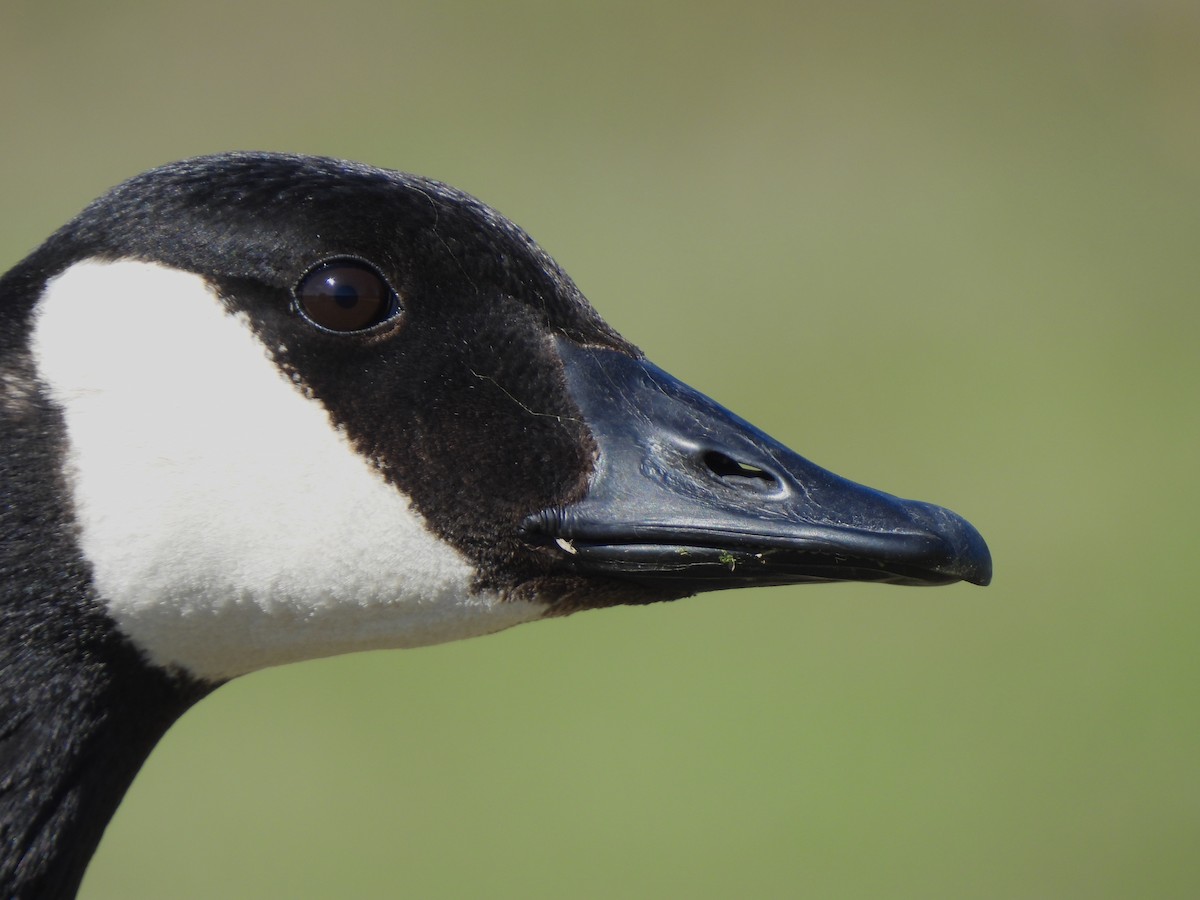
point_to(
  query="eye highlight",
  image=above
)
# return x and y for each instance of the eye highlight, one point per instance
(346, 295)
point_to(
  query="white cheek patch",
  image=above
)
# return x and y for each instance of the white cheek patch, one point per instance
(229, 525)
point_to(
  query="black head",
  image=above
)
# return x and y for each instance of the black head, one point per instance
(468, 368)
(456, 392)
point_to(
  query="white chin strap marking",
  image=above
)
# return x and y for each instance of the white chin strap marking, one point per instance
(229, 524)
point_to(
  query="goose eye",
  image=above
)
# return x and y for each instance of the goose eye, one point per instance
(346, 295)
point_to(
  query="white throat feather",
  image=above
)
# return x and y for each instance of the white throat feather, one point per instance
(230, 526)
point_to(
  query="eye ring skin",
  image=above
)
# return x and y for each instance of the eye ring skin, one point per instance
(336, 317)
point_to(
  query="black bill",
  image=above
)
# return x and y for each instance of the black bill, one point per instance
(689, 496)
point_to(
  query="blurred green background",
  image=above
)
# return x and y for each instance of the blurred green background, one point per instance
(946, 249)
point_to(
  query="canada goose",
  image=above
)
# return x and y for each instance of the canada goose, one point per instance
(260, 408)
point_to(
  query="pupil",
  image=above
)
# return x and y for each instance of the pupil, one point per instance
(345, 296)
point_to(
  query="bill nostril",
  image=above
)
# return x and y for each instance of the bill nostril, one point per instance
(727, 467)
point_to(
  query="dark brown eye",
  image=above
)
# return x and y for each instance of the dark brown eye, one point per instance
(345, 295)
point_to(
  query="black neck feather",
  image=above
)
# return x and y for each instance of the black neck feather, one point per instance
(74, 729)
